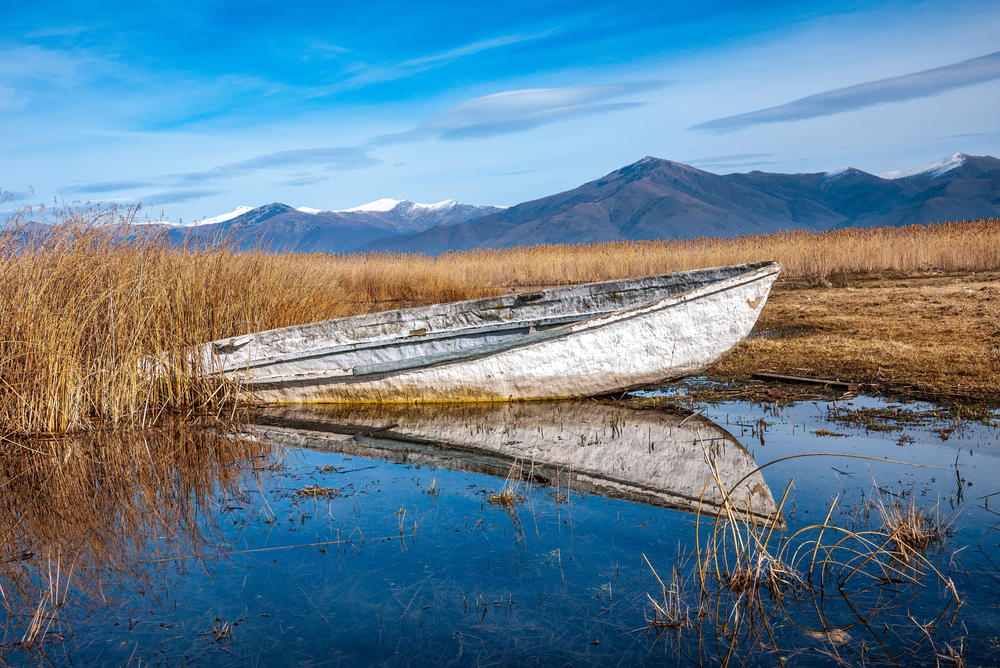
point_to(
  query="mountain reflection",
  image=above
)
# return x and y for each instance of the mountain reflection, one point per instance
(648, 455)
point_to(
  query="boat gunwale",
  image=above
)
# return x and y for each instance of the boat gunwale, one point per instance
(237, 342)
(375, 344)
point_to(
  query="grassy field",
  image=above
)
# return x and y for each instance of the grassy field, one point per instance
(81, 308)
(929, 334)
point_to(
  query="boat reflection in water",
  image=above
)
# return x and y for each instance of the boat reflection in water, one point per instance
(647, 455)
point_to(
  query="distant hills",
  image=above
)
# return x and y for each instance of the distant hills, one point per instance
(649, 199)
(279, 227)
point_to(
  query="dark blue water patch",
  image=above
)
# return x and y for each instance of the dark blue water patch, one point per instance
(342, 560)
(389, 573)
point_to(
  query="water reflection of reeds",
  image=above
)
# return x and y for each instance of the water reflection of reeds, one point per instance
(83, 516)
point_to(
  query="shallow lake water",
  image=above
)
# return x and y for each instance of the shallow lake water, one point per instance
(366, 548)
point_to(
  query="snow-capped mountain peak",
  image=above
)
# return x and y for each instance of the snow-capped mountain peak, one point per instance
(384, 204)
(387, 204)
(238, 211)
(440, 206)
(931, 170)
(834, 173)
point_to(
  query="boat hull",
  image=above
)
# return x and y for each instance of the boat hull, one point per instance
(615, 351)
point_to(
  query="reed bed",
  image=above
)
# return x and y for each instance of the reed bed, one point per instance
(83, 307)
(385, 277)
(84, 303)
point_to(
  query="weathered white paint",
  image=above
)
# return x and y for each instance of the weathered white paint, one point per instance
(586, 340)
(650, 456)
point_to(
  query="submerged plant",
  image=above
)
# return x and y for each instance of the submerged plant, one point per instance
(509, 495)
(914, 529)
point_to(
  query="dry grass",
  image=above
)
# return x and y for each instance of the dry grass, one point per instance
(376, 279)
(509, 495)
(915, 529)
(928, 333)
(81, 307)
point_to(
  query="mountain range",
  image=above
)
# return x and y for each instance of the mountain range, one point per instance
(649, 199)
(279, 227)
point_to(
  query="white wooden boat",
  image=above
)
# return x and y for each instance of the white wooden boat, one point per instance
(645, 455)
(577, 341)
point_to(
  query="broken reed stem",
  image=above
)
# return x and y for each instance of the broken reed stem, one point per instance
(812, 564)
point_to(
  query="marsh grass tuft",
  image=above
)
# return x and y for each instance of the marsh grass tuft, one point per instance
(915, 529)
(317, 492)
(509, 495)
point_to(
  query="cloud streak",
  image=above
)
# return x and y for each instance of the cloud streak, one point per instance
(727, 159)
(160, 197)
(329, 159)
(519, 110)
(894, 89)
(363, 74)
(100, 187)
(321, 160)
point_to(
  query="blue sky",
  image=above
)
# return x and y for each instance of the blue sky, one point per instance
(196, 109)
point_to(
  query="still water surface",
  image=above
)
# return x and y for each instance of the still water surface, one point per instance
(385, 548)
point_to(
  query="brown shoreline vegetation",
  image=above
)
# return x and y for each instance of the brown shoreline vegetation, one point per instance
(82, 306)
(927, 334)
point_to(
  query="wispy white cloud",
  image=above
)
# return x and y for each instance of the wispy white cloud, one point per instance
(99, 187)
(328, 159)
(736, 157)
(893, 89)
(518, 173)
(471, 49)
(308, 166)
(301, 181)
(362, 74)
(160, 197)
(519, 110)
(11, 99)
(64, 31)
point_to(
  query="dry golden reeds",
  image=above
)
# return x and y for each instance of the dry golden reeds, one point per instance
(386, 277)
(82, 306)
(914, 529)
(84, 302)
(509, 495)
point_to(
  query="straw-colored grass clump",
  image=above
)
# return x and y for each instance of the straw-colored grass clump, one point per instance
(82, 307)
(914, 529)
